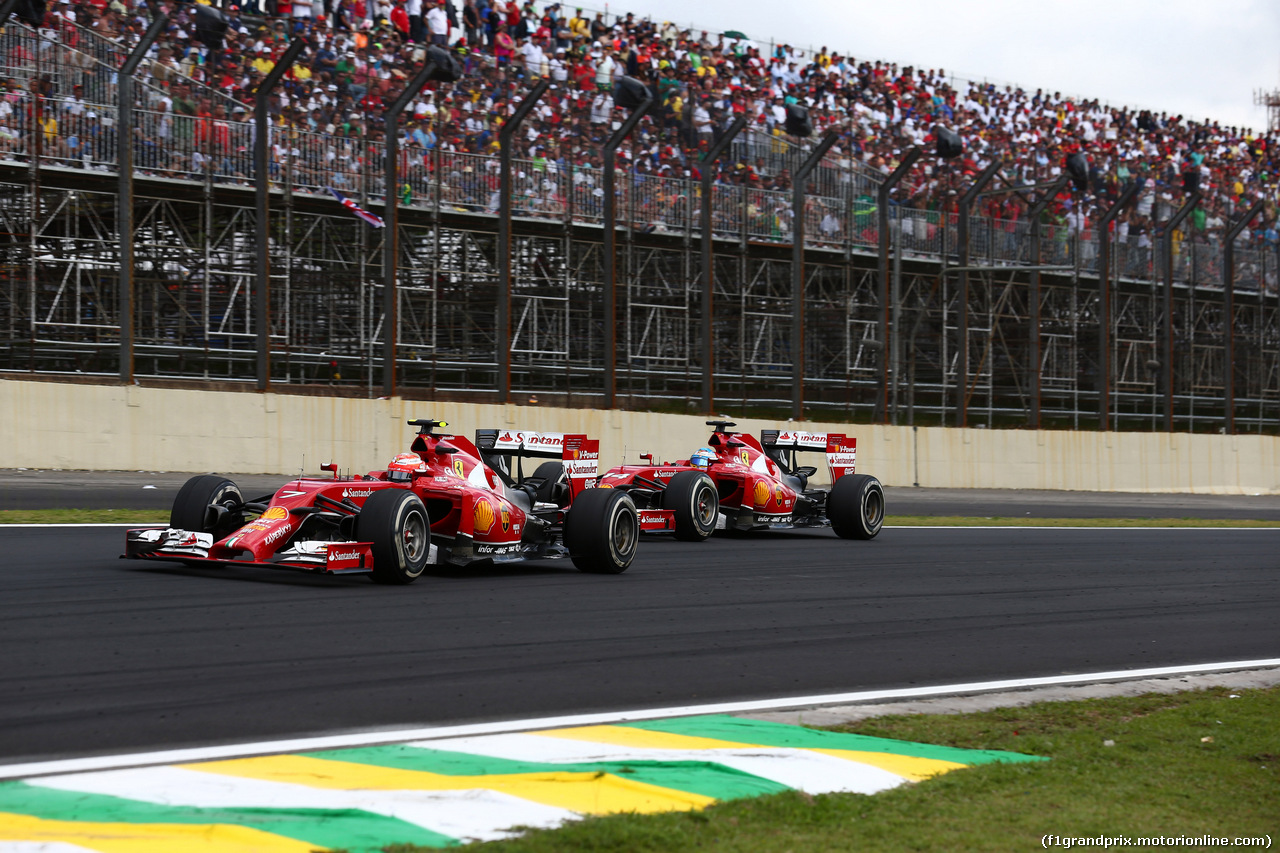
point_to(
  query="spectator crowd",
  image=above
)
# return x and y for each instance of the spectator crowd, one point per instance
(195, 112)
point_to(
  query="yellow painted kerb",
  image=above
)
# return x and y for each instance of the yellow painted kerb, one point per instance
(148, 837)
(582, 792)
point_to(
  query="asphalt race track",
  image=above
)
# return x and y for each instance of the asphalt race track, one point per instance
(104, 655)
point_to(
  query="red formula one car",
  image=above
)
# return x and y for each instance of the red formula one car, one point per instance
(439, 504)
(550, 480)
(739, 483)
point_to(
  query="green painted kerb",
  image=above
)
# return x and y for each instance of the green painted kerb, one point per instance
(761, 733)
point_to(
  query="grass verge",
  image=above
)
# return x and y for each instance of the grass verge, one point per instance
(1189, 764)
(84, 516)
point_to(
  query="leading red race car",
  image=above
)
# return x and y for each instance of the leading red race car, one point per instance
(438, 504)
(739, 483)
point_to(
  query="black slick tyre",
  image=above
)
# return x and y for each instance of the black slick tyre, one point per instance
(855, 507)
(602, 531)
(396, 522)
(692, 496)
(196, 507)
(553, 487)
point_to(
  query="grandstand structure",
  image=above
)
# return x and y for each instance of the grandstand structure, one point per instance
(909, 316)
(1270, 100)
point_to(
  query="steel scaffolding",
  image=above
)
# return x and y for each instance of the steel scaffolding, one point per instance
(195, 276)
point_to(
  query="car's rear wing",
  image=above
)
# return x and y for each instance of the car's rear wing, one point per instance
(581, 463)
(581, 455)
(510, 442)
(782, 445)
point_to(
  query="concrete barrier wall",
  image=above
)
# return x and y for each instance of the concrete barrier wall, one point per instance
(118, 427)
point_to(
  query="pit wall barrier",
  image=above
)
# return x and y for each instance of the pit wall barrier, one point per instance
(130, 428)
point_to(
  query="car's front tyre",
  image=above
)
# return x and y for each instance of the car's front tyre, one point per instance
(396, 522)
(692, 496)
(209, 503)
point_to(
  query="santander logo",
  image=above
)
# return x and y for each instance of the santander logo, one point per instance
(357, 493)
(530, 439)
(348, 555)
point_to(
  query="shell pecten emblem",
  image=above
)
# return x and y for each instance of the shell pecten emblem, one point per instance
(761, 493)
(275, 512)
(483, 516)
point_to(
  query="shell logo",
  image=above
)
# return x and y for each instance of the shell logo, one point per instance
(506, 519)
(761, 493)
(276, 512)
(483, 516)
(459, 469)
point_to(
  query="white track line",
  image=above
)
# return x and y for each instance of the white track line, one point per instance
(386, 736)
(1061, 527)
(88, 524)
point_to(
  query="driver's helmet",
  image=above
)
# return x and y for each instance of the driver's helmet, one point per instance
(402, 468)
(702, 457)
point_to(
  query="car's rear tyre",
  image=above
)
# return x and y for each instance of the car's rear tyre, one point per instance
(855, 506)
(553, 490)
(602, 531)
(396, 522)
(210, 504)
(692, 496)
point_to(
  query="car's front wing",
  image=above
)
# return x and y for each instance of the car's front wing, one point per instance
(335, 558)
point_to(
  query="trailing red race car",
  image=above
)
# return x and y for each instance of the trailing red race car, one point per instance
(550, 479)
(739, 483)
(439, 504)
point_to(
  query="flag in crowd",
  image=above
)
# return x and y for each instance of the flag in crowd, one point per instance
(375, 221)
